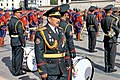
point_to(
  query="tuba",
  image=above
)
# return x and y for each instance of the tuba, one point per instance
(111, 33)
(115, 24)
(116, 19)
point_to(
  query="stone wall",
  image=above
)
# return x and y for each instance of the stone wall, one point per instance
(84, 5)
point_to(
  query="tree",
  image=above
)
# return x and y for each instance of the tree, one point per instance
(54, 2)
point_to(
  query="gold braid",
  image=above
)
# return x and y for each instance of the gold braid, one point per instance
(49, 46)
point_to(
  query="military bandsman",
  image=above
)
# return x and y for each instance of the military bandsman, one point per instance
(50, 48)
(110, 39)
(16, 33)
(92, 28)
(3, 27)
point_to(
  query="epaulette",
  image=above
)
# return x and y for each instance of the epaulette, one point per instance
(67, 26)
(46, 42)
(60, 28)
(42, 29)
(70, 24)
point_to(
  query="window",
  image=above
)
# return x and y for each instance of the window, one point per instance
(1, 4)
(7, 4)
(31, 1)
(12, 4)
(40, 1)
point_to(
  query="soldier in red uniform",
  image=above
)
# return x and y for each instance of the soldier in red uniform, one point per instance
(7, 15)
(24, 22)
(32, 24)
(78, 24)
(3, 22)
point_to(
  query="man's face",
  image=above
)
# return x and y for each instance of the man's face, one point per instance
(111, 11)
(54, 21)
(18, 14)
(66, 15)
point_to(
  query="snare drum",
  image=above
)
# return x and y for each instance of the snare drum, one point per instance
(29, 61)
(82, 69)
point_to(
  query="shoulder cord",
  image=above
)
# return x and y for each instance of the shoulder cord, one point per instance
(49, 46)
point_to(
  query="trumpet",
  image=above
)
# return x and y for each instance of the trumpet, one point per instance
(116, 19)
(1, 24)
(111, 33)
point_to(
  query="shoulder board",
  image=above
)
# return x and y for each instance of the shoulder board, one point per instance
(42, 29)
(60, 28)
(67, 26)
(70, 24)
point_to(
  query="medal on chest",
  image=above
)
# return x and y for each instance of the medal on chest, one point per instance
(63, 40)
(50, 37)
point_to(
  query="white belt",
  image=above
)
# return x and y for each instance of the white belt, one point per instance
(14, 35)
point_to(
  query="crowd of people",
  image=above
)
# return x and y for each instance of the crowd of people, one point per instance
(53, 42)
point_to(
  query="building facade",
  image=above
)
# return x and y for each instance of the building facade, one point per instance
(37, 3)
(9, 4)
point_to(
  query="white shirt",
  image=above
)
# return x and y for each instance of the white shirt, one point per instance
(53, 28)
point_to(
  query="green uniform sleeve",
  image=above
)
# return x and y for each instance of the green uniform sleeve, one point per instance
(39, 53)
(70, 42)
(20, 33)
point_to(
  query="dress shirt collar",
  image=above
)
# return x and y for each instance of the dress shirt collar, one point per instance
(52, 27)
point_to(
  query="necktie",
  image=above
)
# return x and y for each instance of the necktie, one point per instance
(56, 30)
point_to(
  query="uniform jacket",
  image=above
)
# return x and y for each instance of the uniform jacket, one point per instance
(3, 20)
(69, 36)
(78, 20)
(91, 20)
(16, 28)
(51, 66)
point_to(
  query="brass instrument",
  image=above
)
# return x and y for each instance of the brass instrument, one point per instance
(116, 19)
(1, 24)
(111, 33)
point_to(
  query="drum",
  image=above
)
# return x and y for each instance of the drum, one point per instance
(29, 61)
(82, 69)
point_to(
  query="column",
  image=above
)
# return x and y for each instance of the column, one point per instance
(69, 1)
(64, 1)
(59, 2)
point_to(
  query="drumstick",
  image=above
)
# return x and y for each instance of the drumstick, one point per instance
(88, 78)
(73, 65)
(76, 62)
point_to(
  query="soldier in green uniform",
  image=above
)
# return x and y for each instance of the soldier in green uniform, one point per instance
(16, 33)
(67, 27)
(50, 48)
(110, 39)
(92, 28)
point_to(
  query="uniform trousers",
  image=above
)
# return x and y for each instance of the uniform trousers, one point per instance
(92, 40)
(17, 58)
(110, 53)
